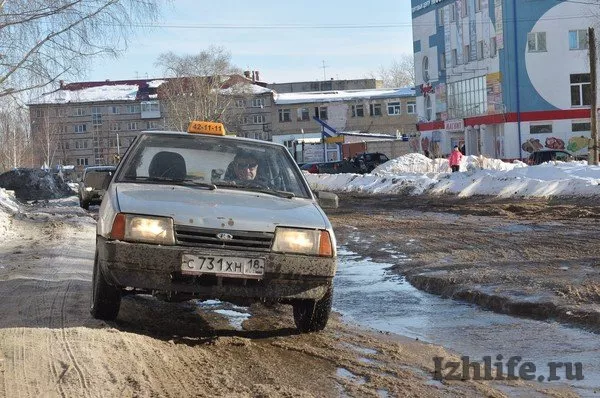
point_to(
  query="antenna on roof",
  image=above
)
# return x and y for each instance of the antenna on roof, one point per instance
(324, 66)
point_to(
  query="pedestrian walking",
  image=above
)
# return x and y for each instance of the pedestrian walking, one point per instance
(455, 158)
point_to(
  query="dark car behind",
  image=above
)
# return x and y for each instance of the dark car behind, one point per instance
(547, 155)
(337, 167)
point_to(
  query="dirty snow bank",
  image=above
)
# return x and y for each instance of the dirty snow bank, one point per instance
(8, 207)
(416, 174)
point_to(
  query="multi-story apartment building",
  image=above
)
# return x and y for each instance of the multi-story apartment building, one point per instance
(308, 117)
(504, 77)
(92, 123)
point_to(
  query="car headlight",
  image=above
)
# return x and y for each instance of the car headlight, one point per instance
(89, 189)
(147, 229)
(303, 241)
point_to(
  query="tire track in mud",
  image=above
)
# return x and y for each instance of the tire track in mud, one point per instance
(148, 370)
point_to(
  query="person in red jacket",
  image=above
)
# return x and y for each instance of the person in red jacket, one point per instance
(455, 158)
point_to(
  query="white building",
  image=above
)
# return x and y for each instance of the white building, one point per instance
(502, 77)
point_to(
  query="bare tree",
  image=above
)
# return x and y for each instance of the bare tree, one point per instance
(15, 143)
(43, 40)
(401, 73)
(202, 87)
(47, 138)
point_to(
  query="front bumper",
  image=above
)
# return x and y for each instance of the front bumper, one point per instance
(158, 268)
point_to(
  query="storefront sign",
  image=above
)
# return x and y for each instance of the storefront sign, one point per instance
(425, 4)
(454, 125)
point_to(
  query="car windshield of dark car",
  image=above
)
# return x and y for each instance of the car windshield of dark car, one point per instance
(214, 162)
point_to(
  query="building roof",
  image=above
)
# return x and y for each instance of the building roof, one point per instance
(342, 95)
(118, 90)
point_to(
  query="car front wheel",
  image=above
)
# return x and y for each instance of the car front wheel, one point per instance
(106, 299)
(312, 315)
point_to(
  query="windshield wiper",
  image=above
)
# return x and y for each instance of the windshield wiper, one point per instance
(256, 187)
(177, 181)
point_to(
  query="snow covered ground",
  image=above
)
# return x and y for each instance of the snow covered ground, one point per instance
(417, 174)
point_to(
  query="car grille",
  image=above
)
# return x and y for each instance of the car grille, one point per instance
(240, 240)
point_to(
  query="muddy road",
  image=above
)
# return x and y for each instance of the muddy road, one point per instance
(51, 347)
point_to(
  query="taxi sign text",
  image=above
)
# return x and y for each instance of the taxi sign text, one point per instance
(334, 140)
(198, 127)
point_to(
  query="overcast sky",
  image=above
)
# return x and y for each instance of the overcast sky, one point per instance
(380, 33)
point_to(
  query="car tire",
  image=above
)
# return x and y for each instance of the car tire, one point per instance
(106, 299)
(312, 315)
(84, 204)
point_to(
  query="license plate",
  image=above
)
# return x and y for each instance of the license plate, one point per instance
(229, 266)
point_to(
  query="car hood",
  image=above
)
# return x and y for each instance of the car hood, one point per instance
(220, 208)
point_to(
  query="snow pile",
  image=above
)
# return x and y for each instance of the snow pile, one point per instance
(417, 163)
(8, 207)
(34, 184)
(416, 174)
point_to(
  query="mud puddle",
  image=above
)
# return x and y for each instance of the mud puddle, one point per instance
(368, 295)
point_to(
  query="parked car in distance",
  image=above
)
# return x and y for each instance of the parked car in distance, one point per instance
(337, 167)
(93, 180)
(368, 161)
(547, 155)
(201, 215)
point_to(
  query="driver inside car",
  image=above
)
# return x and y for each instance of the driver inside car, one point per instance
(244, 167)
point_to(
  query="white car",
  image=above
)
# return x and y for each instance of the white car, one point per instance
(214, 217)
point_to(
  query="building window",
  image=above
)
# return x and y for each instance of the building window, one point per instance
(358, 111)
(454, 57)
(477, 5)
(426, 69)
(80, 128)
(393, 108)
(321, 111)
(441, 16)
(82, 161)
(540, 128)
(578, 40)
(79, 111)
(465, 9)
(375, 109)
(115, 110)
(428, 108)
(411, 107)
(581, 89)
(452, 11)
(284, 115)
(132, 126)
(493, 47)
(466, 54)
(133, 109)
(480, 50)
(152, 125)
(150, 106)
(258, 119)
(442, 61)
(581, 126)
(258, 102)
(81, 144)
(536, 42)
(467, 97)
(303, 114)
(240, 103)
(115, 126)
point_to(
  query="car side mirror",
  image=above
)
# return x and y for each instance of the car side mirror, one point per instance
(327, 200)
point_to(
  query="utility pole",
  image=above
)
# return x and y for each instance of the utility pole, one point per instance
(593, 151)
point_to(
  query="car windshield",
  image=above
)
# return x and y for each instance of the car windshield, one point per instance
(213, 163)
(96, 178)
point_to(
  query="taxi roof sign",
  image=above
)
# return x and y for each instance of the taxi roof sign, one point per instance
(200, 127)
